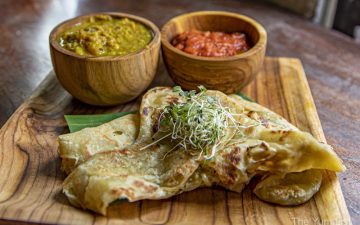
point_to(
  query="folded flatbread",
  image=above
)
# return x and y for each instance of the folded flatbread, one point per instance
(265, 145)
(76, 148)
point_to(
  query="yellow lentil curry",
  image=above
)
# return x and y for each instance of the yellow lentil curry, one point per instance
(104, 35)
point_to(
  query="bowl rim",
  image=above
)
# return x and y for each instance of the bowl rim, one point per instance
(257, 47)
(53, 37)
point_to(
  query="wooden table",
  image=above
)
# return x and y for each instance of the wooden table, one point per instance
(331, 61)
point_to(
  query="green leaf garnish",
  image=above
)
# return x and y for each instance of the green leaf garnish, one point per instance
(78, 122)
(245, 97)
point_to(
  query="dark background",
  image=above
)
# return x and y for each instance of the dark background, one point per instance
(347, 16)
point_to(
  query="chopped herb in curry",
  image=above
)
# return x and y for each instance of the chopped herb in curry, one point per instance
(104, 35)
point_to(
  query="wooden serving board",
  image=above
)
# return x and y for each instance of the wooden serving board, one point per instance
(31, 179)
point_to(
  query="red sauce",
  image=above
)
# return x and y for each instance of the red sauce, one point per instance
(210, 44)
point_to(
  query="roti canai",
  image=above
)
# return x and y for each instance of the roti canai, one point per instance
(188, 140)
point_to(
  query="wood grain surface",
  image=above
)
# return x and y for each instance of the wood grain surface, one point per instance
(330, 59)
(30, 181)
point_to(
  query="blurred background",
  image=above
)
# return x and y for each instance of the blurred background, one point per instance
(341, 15)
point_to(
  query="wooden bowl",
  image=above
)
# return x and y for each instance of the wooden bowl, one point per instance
(228, 74)
(105, 80)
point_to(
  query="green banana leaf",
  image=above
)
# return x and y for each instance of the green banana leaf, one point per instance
(78, 122)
